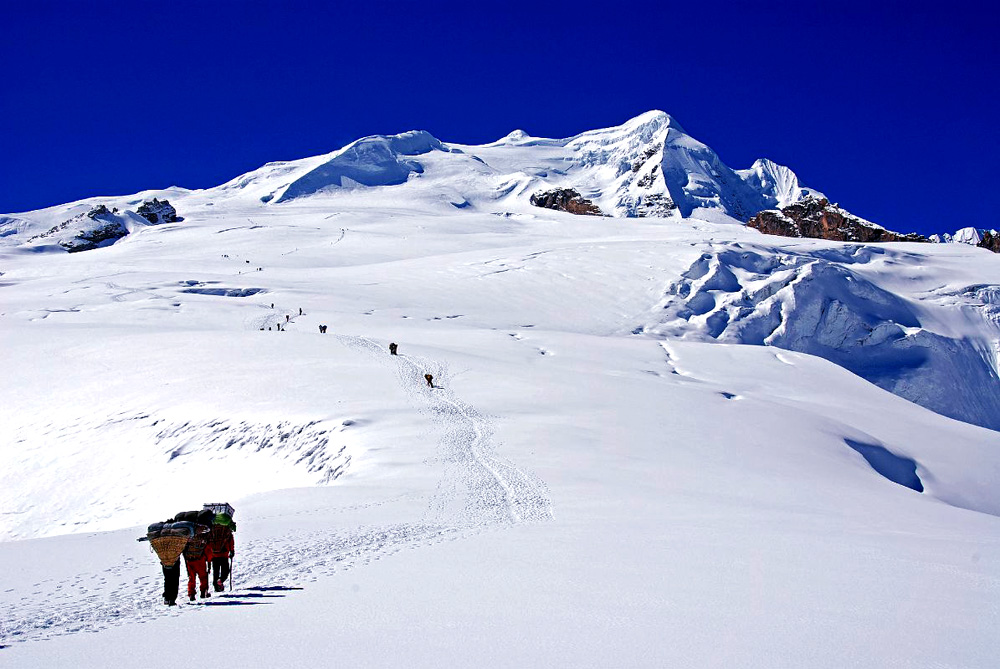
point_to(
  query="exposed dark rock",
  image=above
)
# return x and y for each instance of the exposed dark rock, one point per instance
(91, 239)
(97, 212)
(93, 229)
(817, 218)
(158, 211)
(990, 241)
(647, 181)
(566, 199)
(646, 155)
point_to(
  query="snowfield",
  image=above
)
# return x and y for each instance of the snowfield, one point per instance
(667, 441)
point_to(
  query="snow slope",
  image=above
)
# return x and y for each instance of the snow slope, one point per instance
(652, 441)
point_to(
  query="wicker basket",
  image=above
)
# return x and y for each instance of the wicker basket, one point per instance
(168, 549)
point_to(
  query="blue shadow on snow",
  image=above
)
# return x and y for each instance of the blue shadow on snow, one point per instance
(893, 467)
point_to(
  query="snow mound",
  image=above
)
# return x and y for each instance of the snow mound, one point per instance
(814, 303)
(372, 161)
(971, 236)
(11, 226)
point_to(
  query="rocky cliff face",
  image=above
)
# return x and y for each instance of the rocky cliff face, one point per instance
(158, 211)
(817, 218)
(566, 199)
(990, 240)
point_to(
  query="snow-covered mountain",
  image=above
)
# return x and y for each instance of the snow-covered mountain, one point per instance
(646, 167)
(654, 437)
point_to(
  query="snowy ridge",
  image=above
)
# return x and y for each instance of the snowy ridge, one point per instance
(645, 167)
(372, 161)
(778, 184)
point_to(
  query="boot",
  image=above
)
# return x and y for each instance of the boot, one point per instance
(205, 593)
(219, 587)
(192, 596)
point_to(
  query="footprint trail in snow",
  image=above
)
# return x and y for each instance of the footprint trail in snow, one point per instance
(478, 490)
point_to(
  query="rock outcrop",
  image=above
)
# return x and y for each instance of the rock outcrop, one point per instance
(95, 237)
(990, 240)
(98, 227)
(103, 227)
(819, 219)
(158, 211)
(566, 199)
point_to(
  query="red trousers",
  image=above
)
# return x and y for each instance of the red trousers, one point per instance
(197, 568)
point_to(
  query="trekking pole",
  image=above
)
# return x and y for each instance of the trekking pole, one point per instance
(232, 561)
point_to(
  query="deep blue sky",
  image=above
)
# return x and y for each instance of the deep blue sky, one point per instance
(890, 110)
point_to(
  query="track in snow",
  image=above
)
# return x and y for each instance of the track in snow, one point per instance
(478, 491)
(479, 488)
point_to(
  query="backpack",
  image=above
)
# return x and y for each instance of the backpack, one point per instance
(195, 548)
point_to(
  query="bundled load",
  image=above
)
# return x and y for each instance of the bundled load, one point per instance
(202, 521)
(221, 507)
(223, 514)
(203, 517)
(169, 540)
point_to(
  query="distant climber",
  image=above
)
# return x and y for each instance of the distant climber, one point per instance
(300, 311)
(287, 318)
(430, 380)
(322, 329)
(392, 348)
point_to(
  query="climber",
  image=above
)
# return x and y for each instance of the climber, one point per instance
(196, 558)
(222, 546)
(168, 540)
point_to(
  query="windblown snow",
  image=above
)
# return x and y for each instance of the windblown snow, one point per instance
(655, 437)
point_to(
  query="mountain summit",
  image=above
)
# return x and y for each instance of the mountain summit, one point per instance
(646, 167)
